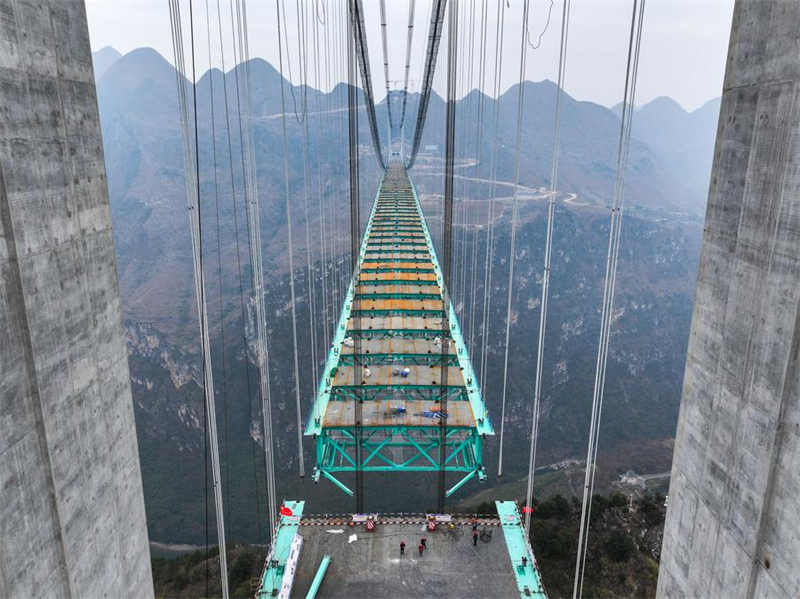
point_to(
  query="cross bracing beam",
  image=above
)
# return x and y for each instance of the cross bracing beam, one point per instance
(399, 449)
(398, 359)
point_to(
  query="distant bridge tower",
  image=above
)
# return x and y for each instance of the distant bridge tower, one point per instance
(733, 527)
(72, 521)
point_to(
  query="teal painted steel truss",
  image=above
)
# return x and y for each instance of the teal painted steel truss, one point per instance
(387, 358)
(420, 449)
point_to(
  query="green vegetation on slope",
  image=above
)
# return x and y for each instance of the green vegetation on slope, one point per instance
(624, 545)
(196, 575)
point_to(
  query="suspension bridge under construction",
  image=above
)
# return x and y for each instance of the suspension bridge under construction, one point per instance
(397, 394)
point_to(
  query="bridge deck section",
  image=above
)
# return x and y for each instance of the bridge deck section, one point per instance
(395, 338)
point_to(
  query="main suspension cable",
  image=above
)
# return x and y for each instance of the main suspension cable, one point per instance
(409, 39)
(359, 31)
(386, 66)
(434, 37)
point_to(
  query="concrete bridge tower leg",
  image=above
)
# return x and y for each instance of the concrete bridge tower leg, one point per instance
(72, 521)
(732, 526)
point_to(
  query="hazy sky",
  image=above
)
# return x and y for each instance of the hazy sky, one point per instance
(684, 43)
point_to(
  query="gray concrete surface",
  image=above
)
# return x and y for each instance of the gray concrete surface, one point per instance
(72, 520)
(372, 568)
(733, 523)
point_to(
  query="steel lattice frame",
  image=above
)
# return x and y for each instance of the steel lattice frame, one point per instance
(389, 447)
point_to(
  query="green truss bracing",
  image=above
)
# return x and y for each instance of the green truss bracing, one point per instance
(391, 251)
(398, 333)
(398, 312)
(396, 392)
(402, 296)
(392, 244)
(420, 449)
(396, 260)
(392, 445)
(398, 359)
(385, 282)
(384, 269)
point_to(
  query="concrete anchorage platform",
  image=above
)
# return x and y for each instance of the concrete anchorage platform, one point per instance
(372, 567)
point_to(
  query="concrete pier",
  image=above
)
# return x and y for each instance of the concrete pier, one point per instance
(72, 521)
(733, 523)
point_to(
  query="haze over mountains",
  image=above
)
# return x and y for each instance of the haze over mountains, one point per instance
(670, 167)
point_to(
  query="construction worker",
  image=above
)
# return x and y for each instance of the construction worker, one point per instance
(402, 547)
(421, 549)
(424, 542)
(475, 538)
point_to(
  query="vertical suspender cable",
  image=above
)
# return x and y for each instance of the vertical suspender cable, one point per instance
(290, 248)
(219, 276)
(193, 195)
(323, 219)
(447, 263)
(634, 45)
(478, 164)
(256, 259)
(465, 214)
(302, 49)
(310, 274)
(487, 273)
(355, 230)
(548, 252)
(514, 217)
(239, 263)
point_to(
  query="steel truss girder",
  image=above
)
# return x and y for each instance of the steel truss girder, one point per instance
(397, 312)
(397, 392)
(406, 260)
(392, 244)
(385, 269)
(387, 282)
(399, 296)
(432, 359)
(418, 449)
(398, 333)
